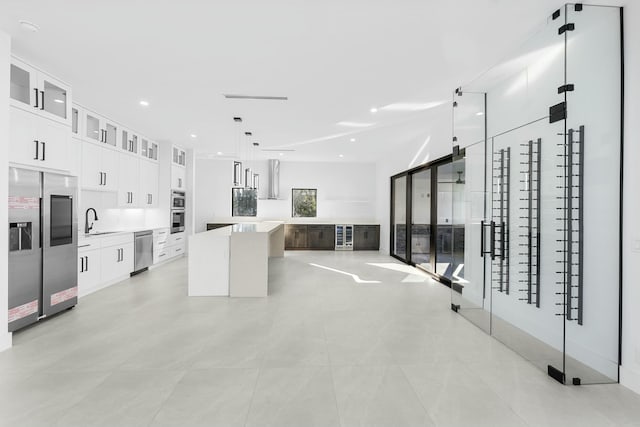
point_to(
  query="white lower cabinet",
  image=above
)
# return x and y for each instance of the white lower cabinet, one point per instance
(88, 270)
(117, 261)
(37, 141)
(103, 261)
(166, 245)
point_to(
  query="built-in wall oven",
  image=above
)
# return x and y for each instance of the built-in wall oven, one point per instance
(177, 200)
(177, 220)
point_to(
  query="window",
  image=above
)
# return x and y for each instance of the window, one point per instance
(304, 202)
(244, 202)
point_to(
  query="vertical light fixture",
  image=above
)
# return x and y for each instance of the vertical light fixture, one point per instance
(256, 177)
(237, 164)
(248, 173)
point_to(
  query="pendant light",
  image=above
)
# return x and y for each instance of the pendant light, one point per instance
(237, 164)
(248, 173)
(256, 177)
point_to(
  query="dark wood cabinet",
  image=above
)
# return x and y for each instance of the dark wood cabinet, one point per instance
(366, 237)
(213, 226)
(321, 237)
(295, 236)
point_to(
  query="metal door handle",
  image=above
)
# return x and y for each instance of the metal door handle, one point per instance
(42, 94)
(81, 264)
(44, 146)
(37, 94)
(37, 157)
(493, 240)
(105, 178)
(502, 241)
(86, 263)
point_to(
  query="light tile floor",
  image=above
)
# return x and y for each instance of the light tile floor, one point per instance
(322, 350)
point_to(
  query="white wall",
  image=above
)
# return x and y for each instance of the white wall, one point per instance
(630, 369)
(346, 191)
(5, 49)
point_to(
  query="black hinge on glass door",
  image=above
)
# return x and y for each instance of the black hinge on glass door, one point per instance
(500, 216)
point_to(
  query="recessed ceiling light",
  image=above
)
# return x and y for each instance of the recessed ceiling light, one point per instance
(282, 154)
(193, 135)
(374, 110)
(353, 140)
(219, 153)
(59, 101)
(144, 103)
(341, 155)
(479, 113)
(29, 26)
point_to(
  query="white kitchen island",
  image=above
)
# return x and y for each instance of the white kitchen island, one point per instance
(234, 260)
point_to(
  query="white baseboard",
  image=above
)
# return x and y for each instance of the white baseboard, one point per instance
(630, 379)
(6, 341)
(83, 292)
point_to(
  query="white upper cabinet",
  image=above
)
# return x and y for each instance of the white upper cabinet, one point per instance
(179, 156)
(100, 168)
(149, 149)
(38, 142)
(129, 185)
(100, 130)
(149, 176)
(128, 141)
(36, 91)
(178, 176)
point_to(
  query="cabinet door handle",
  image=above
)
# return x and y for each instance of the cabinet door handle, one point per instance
(37, 95)
(81, 264)
(37, 157)
(179, 182)
(44, 146)
(42, 104)
(86, 263)
(105, 178)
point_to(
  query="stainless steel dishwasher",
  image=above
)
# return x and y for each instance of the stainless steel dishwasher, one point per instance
(143, 251)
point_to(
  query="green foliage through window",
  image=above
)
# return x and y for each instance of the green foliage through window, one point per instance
(304, 202)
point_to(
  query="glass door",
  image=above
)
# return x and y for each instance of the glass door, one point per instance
(421, 219)
(399, 217)
(444, 221)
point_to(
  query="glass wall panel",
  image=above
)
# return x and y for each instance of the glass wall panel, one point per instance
(421, 219)
(444, 229)
(593, 65)
(399, 192)
(458, 220)
(540, 268)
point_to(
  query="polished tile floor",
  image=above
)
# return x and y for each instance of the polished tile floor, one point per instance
(345, 339)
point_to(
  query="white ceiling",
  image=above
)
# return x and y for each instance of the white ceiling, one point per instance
(334, 59)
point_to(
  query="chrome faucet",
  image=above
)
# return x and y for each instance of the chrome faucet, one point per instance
(87, 227)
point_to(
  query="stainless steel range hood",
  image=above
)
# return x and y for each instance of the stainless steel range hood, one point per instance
(274, 179)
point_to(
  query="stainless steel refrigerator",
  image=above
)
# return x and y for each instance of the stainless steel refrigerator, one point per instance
(43, 245)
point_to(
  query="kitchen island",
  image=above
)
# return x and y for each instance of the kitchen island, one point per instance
(234, 260)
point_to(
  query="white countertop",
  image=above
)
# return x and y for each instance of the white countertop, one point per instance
(247, 227)
(84, 237)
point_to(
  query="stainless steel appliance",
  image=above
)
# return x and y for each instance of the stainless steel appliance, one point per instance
(143, 257)
(177, 200)
(43, 245)
(344, 237)
(177, 220)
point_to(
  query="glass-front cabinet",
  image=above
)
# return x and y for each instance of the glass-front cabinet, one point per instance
(537, 149)
(38, 92)
(100, 129)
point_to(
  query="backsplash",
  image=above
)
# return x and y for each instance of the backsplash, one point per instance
(114, 219)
